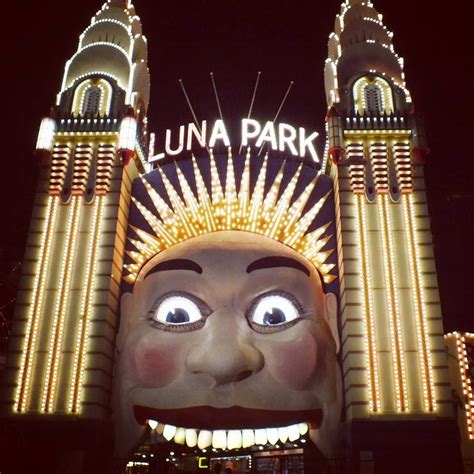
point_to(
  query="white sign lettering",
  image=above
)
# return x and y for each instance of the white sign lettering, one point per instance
(280, 137)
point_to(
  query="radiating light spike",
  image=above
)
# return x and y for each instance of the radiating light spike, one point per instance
(189, 197)
(283, 205)
(244, 191)
(302, 225)
(296, 210)
(163, 209)
(179, 207)
(216, 185)
(204, 198)
(271, 197)
(155, 223)
(257, 197)
(268, 215)
(230, 192)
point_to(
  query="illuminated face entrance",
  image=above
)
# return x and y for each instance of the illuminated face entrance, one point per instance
(228, 340)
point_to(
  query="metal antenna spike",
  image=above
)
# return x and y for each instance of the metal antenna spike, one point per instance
(280, 108)
(191, 107)
(252, 101)
(189, 104)
(216, 95)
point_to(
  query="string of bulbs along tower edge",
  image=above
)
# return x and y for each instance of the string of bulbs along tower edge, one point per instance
(289, 146)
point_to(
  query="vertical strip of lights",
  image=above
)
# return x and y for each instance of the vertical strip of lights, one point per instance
(466, 381)
(75, 394)
(393, 304)
(368, 305)
(36, 306)
(420, 310)
(62, 302)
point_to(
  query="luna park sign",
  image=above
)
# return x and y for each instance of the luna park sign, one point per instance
(277, 136)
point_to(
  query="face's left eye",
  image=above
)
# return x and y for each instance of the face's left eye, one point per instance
(274, 311)
(177, 311)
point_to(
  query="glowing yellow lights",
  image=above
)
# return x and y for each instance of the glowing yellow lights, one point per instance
(61, 308)
(80, 352)
(419, 306)
(46, 134)
(402, 156)
(36, 306)
(355, 151)
(466, 379)
(255, 212)
(368, 307)
(398, 356)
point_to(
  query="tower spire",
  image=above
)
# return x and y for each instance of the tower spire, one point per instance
(360, 44)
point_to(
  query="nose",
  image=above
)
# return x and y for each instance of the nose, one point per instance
(223, 353)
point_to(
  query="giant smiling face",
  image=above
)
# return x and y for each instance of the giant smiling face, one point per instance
(226, 337)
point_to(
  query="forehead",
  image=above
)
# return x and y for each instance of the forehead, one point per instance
(226, 251)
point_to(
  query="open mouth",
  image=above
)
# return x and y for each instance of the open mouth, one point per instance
(228, 428)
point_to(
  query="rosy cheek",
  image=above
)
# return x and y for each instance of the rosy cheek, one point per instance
(155, 365)
(293, 363)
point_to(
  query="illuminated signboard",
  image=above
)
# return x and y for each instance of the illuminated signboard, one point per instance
(279, 137)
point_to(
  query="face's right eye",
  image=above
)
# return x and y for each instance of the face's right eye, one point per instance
(178, 312)
(274, 312)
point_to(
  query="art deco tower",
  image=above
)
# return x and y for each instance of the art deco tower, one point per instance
(91, 147)
(394, 359)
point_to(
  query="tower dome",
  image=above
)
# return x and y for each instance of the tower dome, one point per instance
(112, 48)
(361, 46)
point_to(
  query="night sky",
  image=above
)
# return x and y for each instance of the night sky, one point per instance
(286, 41)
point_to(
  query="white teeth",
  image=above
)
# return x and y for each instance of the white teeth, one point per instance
(248, 438)
(283, 433)
(293, 432)
(180, 436)
(152, 424)
(272, 435)
(191, 438)
(204, 439)
(231, 439)
(219, 439)
(234, 439)
(304, 428)
(261, 436)
(168, 432)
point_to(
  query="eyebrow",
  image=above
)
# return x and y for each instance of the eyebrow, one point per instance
(275, 262)
(176, 264)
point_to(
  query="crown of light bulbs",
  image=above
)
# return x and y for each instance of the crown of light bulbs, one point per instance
(226, 209)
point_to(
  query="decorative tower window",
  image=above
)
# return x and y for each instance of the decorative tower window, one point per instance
(373, 95)
(92, 97)
(91, 103)
(373, 99)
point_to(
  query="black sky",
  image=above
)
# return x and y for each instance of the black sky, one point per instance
(286, 41)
